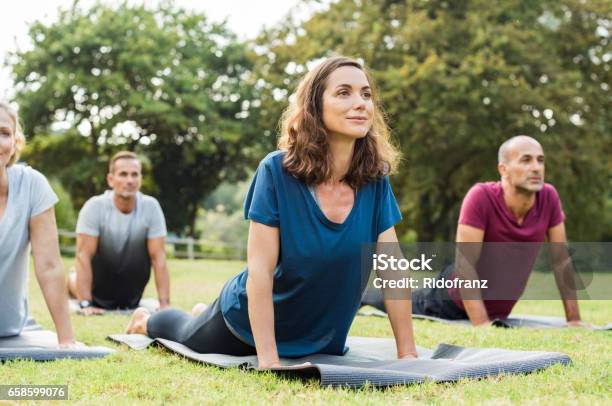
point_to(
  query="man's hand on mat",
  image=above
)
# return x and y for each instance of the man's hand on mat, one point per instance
(408, 356)
(91, 310)
(487, 323)
(579, 323)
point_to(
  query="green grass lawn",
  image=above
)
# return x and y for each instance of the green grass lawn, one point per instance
(155, 377)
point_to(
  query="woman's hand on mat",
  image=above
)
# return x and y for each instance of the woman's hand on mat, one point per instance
(412, 355)
(262, 365)
(277, 365)
(91, 310)
(71, 345)
(579, 323)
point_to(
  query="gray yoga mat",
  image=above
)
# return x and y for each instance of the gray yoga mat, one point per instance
(513, 321)
(37, 344)
(149, 303)
(373, 361)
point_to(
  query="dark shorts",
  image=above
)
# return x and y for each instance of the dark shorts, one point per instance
(433, 302)
(119, 286)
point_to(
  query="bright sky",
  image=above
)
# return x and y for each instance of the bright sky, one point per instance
(244, 17)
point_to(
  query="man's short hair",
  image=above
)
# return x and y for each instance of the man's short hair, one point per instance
(504, 149)
(121, 155)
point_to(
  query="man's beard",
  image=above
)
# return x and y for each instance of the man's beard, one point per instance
(527, 189)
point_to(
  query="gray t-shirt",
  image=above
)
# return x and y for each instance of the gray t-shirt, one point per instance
(29, 194)
(121, 265)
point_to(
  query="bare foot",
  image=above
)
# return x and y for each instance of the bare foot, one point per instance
(198, 309)
(138, 323)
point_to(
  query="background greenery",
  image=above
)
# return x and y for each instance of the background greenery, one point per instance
(202, 108)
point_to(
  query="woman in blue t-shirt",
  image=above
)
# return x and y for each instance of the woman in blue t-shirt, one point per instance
(27, 218)
(312, 205)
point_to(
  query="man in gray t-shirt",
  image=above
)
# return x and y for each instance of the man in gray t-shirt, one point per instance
(120, 234)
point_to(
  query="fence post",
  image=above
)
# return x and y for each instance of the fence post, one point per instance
(190, 248)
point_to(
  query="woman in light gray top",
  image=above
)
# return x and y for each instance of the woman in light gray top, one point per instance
(27, 216)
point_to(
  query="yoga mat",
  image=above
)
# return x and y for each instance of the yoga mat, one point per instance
(513, 321)
(373, 361)
(37, 344)
(32, 325)
(149, 303)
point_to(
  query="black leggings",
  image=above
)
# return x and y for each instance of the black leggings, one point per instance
(206, 333)
(434, 302)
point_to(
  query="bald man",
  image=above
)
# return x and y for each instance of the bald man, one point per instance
(520, 208)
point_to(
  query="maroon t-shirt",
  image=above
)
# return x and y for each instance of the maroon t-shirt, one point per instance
(507, 266)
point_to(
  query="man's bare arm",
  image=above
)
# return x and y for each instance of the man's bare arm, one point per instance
(564, 272)
(87, 246)
(157, 252)
(86, 249)
(469, 243)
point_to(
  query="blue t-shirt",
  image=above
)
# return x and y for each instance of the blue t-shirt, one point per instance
(318, 282)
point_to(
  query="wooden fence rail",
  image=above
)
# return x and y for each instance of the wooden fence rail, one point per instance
(176, 247)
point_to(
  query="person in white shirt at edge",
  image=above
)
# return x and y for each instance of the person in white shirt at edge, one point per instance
(120, 234)
(27, 217)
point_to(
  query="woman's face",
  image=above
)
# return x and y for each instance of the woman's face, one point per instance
(347, 103)
(7, 138)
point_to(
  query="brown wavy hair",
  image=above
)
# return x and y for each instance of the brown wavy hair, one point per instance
(304, 136)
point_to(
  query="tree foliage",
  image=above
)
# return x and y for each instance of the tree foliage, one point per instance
(66, 157)
(457, 78)
(65, 215)
(162, 81)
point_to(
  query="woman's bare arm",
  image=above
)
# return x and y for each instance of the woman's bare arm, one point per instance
(399, 311)
(50, 272)
(262, 258)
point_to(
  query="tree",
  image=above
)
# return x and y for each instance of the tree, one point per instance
(64, 211)
(457, 78)
(164, 82)
(61, 156)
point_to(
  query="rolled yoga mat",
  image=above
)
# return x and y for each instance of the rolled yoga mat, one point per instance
(37, 344)
(513, 321)
(373, 361)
